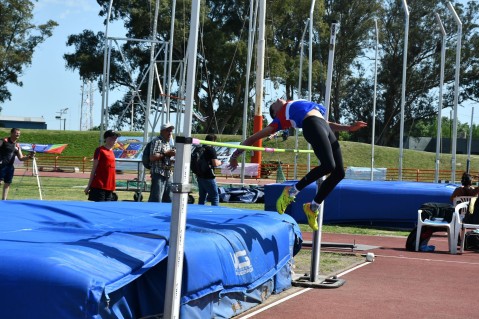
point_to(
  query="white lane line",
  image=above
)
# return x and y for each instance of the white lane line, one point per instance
(295, 294)
(429, 259)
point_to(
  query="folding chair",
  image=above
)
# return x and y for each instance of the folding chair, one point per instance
(462, 212)
(461, 227)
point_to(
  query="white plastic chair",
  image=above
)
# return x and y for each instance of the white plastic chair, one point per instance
(461, 214)
(461, 228)
(461, 199)
(450, 227)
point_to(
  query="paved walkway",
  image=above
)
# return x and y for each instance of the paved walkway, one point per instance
(398, 284)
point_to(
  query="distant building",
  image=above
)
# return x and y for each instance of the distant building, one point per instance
(35, 123)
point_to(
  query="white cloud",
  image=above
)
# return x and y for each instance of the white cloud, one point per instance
(64, 9)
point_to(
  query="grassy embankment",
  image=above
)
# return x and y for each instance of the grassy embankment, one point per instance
(354, 154)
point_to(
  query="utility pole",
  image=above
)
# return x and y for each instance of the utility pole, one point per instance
(60, 117)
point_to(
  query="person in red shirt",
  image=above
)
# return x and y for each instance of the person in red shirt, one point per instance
(102, 182)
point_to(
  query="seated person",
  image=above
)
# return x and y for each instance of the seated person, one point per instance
(466, 189)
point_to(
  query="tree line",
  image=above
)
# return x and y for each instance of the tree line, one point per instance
(222, 60)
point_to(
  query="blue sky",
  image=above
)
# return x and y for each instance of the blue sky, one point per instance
(48, 87)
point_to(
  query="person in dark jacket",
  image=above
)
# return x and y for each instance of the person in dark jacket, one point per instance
(9, 148)
(207, 188)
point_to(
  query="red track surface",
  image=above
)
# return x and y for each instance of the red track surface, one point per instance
(398, 284)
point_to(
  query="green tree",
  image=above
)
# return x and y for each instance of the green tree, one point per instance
(19, 38)
(222, 59)
(422, 67)
(353, 44)
(220, 67)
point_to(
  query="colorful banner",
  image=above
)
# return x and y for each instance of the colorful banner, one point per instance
(43, 148)
(128, 147)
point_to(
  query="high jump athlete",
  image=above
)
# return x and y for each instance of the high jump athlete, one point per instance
(317, 132)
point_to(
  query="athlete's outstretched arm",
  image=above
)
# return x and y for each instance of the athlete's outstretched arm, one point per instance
(348, 128)
(267, 131)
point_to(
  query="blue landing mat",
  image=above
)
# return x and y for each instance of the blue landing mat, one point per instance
(379, 203)
(108, 260)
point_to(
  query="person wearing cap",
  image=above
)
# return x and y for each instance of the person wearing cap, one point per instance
(102, 182)
(161, 154)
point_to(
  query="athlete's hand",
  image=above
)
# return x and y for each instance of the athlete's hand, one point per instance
(233, 164)
(357, 126)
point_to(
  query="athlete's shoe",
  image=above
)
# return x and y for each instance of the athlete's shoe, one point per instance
(284, 200)
(312, 216)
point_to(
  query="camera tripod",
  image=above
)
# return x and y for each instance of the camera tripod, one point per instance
(35, 173)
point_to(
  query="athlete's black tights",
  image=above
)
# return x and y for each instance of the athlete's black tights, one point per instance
(326, 147)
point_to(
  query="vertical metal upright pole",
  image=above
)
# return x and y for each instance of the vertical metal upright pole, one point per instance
(316, 257)
(296, 137)
(260, 53)
(170, 60)
(151, 74)
(104, 93)
(310, 71)
(373, 133)
(403, 89)
(456, 91)
(181, 186)
(251, 29)
(469, 144)
(439, 108)
(82, 101)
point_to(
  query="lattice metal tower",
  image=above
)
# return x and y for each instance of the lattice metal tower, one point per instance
(86, 116)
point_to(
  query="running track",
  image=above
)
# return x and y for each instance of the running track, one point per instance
(398, 284)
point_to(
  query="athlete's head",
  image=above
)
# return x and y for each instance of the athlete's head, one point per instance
(275, 107)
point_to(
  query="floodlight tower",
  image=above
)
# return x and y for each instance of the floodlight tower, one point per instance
(86, 112)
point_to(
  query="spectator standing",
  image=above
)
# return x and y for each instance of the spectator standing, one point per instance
(161, 154)
(102, 182)
(9, 148)
(207, 188)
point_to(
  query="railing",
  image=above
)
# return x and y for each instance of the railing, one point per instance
(56, 163)
(268, 170)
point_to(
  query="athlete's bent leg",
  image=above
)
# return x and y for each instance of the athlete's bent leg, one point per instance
(317, 132)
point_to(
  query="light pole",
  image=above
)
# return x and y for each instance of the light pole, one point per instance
(59, 117)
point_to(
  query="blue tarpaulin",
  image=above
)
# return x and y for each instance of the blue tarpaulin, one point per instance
(108, 260)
